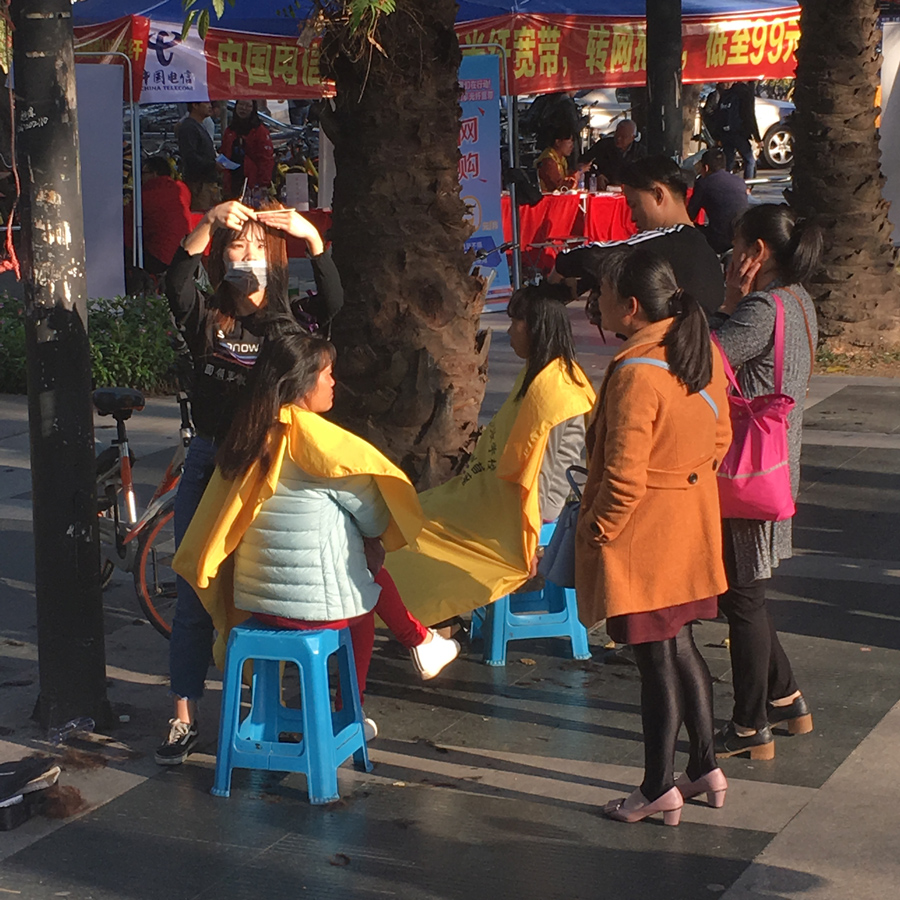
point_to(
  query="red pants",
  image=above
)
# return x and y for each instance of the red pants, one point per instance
(390, 607)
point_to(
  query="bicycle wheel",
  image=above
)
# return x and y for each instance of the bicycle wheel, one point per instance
(154, 580)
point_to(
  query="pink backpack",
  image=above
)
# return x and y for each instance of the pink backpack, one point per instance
(755, 476)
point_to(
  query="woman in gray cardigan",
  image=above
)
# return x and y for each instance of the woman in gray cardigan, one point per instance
(774, 252)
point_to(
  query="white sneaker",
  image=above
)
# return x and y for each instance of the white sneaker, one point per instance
(370, 730)
(430, 658)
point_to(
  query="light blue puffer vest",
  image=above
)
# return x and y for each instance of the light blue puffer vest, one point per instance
(302, 557)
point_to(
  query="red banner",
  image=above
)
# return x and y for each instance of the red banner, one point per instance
(240, 65)
(127, 35)
(557, 53)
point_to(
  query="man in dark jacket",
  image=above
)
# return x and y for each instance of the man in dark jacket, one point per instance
(198, 157)
(735, 124)
(609, 156)
(722, 195)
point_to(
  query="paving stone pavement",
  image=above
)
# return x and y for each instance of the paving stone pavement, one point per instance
(487, 782)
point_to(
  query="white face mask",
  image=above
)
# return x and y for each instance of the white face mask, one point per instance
(249, 275)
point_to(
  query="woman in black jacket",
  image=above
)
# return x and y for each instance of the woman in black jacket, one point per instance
(248, 272)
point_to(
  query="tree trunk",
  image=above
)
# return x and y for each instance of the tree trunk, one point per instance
(664, 43)
(837, 175)
(412, 363)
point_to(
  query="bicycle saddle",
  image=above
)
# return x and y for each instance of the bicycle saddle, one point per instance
(117, 399)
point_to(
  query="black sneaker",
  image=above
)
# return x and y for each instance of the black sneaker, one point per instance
(795, 717)
(760, 745)
(174, 750)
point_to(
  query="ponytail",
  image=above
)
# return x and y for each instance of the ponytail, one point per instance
(687, 343)
(804, 251)
(648, 277)
(287, 368)
(795, 242)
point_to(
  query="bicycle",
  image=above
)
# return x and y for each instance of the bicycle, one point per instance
(143, 546)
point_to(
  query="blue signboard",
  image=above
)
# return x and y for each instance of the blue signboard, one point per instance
(479, 165)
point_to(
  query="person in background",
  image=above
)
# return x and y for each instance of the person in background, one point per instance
(735, 124)
(198, 157)
(775, 253)
(548, 114)
(609, 156)
(298, 112)
(655, 190)
(246, 141)
(248, 272)
(165, 214)
(722, 196)
(648, 546)
(553, 165)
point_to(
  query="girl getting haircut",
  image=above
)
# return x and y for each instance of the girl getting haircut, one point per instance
(286, 370)
(543, 308)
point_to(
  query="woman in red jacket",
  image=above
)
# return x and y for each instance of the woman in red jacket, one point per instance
(246, 141)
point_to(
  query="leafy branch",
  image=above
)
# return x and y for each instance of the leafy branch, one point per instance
(362, 16)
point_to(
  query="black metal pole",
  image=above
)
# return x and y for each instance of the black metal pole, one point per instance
(66, 540)
(664, 126)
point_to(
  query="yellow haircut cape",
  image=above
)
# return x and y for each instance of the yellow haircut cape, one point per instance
(227, 508)
(483, 526)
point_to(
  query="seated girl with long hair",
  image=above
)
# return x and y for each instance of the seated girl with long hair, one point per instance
(482, 530)
(296, 500)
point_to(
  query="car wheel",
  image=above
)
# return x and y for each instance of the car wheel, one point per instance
(778, 146)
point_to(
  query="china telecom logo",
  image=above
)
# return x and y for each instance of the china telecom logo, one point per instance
(165, 41)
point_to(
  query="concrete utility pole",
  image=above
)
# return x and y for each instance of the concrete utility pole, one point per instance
(664, 124)
(64, 496)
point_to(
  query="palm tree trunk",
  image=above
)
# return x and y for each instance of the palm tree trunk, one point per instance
(837, 175)
(412, 363)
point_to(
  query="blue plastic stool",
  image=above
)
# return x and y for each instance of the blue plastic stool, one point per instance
(328, 738)
(550, 612)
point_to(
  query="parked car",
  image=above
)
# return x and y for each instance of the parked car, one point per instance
(774, 120)
(606, 107)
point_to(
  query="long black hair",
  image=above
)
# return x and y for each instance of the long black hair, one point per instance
(543, 309)
(286, 369)
(245, 126)
(795, 242)
(644, 274)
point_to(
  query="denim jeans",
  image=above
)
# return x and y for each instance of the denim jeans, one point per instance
(733, 144)
(190, 648)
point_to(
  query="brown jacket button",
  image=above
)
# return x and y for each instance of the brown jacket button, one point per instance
(692, 478)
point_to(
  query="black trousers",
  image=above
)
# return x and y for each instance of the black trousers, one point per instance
(760, 669)
(676, 688)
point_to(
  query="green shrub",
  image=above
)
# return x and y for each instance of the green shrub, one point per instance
(12, 346)
(129, 344)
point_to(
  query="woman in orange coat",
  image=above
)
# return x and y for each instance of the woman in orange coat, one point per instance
(648, 548)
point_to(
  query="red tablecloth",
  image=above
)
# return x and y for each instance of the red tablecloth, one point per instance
(608, 218)
(558, 217)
